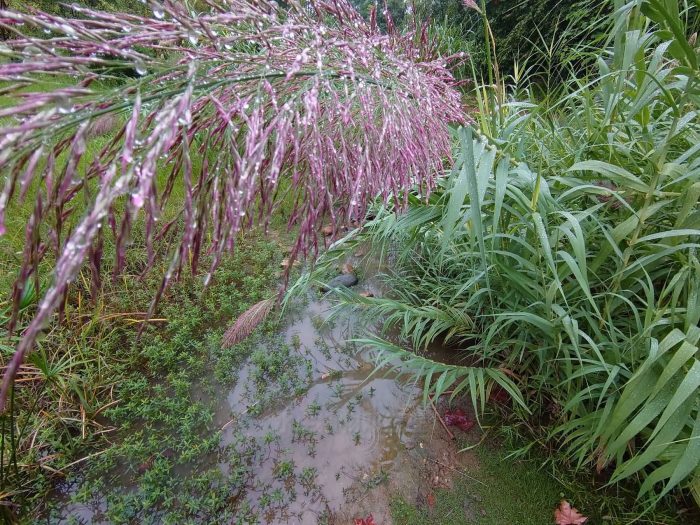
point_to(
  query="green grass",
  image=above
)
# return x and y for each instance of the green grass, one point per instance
(166, 385)
(507, 492)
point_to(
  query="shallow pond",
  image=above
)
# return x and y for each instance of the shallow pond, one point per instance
(316, 451)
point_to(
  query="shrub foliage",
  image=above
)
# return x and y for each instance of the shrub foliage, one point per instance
(561, 255)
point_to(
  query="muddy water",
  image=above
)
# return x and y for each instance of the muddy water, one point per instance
(317, 456)
(347, 428)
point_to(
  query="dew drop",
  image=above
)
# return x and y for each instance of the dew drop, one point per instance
(137, 200)
(158, 12)
(140, 68)
(192, 37)
(64, 106)
(67, 29)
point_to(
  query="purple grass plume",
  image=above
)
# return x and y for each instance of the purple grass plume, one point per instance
(242, 105)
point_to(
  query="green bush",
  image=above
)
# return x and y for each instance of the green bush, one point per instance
(560, 256)
(537, 34)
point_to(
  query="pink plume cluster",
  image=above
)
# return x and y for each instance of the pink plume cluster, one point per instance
(253, 92)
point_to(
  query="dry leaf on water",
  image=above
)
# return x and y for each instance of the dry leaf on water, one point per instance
(568, 515)
(246, 322)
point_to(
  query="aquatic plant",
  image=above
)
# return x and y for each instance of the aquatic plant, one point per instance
(227, 104)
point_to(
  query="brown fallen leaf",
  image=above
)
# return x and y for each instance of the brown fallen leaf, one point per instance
(327, 230)
(366, 294)
(568, 515)
(431, 500)
(347, 268)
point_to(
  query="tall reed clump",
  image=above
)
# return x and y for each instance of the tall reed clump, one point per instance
(228, 102)
(562, 252)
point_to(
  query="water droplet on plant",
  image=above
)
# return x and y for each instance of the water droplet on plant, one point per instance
(192, 37)
(137, 200)
(158, 12)
(140, 68)
(32, 50)
(67, 29)
(63, 105)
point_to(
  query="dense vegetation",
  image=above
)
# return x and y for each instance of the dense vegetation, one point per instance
(550, 237)
(537, 37)
(559, 255)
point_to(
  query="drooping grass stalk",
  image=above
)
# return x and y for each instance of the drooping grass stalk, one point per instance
(227, 103)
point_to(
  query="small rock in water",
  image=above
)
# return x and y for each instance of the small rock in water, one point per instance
(346, 279)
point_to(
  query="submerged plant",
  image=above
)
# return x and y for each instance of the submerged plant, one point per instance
(238, 106)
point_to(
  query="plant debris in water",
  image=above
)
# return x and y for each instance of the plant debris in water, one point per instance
(369, 520)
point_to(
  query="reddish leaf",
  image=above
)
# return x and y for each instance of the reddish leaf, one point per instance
(499, 396)
(369, 520)
(431, 500)
(459, 419)
(568, 515)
